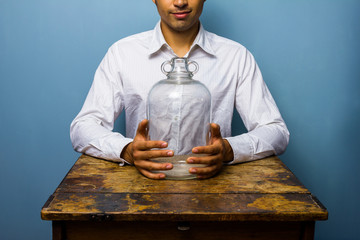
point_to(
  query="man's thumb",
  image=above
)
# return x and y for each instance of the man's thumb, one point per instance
(142, 129)
(215, 130)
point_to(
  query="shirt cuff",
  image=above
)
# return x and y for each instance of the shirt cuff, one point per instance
(125, 142)
(242, 148)
(110, 148)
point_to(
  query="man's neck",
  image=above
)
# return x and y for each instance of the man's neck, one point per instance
(180, 41)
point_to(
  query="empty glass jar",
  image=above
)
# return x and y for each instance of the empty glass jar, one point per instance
(179, 112)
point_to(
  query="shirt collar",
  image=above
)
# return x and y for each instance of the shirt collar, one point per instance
(202, 40)
(158, 41)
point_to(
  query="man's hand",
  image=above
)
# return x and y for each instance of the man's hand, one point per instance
(139, 152)
(218, 152)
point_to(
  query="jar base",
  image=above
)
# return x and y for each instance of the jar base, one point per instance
(180, 170)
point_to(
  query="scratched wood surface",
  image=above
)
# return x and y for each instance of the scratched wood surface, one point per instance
(263, 190)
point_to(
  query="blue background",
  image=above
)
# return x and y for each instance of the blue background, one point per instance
(308, 51)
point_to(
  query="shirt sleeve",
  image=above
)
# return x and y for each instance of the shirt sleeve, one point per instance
(267, 132)
(91, 131)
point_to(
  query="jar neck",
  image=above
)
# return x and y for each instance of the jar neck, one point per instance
(179, 69)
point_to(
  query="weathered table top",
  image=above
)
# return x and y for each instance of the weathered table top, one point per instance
(262, 190)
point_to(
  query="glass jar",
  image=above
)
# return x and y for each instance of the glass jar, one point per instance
(179, 112)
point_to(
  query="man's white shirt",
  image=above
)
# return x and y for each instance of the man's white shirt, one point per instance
(132, 66)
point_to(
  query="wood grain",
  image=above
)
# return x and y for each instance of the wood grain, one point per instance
(263, 190)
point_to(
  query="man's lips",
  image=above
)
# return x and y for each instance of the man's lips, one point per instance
(181, 15)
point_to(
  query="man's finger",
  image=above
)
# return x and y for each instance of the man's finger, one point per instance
(152, 175)
(210, 149)
(152, 154)
(152, 166)
(205, 171)
(208, 160)
(145, 145)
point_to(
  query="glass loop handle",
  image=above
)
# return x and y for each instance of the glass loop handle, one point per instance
(163, 65)
(171, 63)
(196, 67)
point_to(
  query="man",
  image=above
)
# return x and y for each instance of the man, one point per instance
(132, 66)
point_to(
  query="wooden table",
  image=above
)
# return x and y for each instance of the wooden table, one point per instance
(255, 200)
